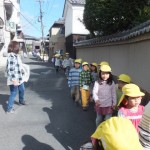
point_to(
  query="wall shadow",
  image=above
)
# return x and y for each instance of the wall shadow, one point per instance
(33, 144)
(69, 125)
(71, 131)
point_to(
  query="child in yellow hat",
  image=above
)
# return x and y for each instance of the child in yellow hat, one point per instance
(104, 94)
(116, 133)
(93, 68)
(123, 79)
(67, 65)
(85, 83)
(94, 73)
(73, 81)
(133, 110)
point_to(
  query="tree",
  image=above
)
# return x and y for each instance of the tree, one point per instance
(106, 17)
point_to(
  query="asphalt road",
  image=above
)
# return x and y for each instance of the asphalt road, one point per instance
(50, 121)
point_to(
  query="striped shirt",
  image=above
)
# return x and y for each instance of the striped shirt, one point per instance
(85, 78)
(144, 127)
(74, 77)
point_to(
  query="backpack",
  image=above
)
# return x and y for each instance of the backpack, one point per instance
(118, 133)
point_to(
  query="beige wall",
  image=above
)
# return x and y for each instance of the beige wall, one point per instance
(61, 43)
(131, 57)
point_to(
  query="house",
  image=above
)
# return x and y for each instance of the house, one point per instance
(9, 24)
(56, 37)
(74, 28)
(30, 42)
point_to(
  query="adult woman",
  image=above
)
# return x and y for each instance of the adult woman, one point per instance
(14, 76)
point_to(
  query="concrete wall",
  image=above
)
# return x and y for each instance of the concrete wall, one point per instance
(61, 43)
(131, 57)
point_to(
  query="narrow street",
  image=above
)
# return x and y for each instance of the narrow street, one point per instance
(50, 121)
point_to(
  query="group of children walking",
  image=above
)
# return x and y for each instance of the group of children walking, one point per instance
(95, 82)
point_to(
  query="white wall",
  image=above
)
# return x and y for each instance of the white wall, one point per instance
(15, 16)
(73, 15)
(6, 33)
(78, 26)
(68, 16)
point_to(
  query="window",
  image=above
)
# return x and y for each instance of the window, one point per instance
(1, 23)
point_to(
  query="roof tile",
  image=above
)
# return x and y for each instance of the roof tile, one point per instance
(79, 2)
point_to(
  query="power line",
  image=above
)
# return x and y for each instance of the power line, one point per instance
(49, 10)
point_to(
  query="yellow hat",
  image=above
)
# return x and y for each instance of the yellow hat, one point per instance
(125, 78)
(131, 90)
(67, 53)
(57, 55)
(78, 61)
(94, 64)
(118, 133)
(85, 63)
(103, 63)
(105, 68)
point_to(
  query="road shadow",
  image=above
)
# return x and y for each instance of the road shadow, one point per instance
(69, 124)
(3, 100)
(33, 144)
(70, 131)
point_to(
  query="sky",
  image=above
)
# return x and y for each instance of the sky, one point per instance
(52, 11)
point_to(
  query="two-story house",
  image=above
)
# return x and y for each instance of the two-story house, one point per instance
(74, 27)
(9, 22)
(56, 37)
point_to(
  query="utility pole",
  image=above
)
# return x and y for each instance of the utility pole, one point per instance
(42, 27)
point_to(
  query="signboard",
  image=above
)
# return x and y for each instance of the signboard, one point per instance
(10, 26)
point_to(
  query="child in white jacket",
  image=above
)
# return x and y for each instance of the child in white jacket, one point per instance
(104, 95)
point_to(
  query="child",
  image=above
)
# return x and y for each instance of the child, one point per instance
(85, 82)
(133, 110)
(57, 62)
(93, 68)
(67, 64)
(104, 94)
(73, 81)
(116, 133)
(94, 73)
(122, 81)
